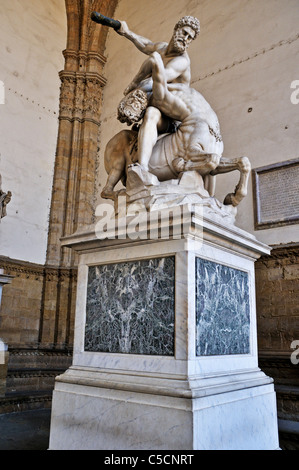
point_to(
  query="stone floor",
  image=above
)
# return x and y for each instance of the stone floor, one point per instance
(25, 430)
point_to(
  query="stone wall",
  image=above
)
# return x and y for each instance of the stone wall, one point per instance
(277, 297)
(21, 302)
(277, 284)
(38, 332)
(33, 35)
(27, 320)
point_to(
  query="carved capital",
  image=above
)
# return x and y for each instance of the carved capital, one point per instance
(93, 96)
(67, 93)
(80, 96)
(83, 60)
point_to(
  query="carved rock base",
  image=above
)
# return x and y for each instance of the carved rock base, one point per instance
(144, 190)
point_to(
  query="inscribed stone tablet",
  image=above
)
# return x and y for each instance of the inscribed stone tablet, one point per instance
(277, 194)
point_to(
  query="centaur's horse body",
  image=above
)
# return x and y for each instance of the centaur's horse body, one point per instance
(195, 145)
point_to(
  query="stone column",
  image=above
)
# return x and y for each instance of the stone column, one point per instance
(82, 85)
(73, 188)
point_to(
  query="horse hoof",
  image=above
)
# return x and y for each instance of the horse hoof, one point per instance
(230, 200)
(113, 195)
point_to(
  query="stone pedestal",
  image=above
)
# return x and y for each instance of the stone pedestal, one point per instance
(165, 350)
(4, 279)
(4, 356)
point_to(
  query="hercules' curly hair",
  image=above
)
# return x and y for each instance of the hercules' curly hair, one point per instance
(189, 21)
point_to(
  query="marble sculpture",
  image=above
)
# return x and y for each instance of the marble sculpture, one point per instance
(174, 129)
(4, 200)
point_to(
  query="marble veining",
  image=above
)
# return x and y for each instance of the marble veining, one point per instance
(222, 309)
(130, 307)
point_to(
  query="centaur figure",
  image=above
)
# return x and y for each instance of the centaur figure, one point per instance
(196, 144)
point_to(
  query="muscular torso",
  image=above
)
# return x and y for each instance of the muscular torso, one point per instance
(181, 102)
(197, 120)
(178, 63)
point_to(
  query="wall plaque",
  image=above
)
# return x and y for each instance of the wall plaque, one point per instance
(276, 194)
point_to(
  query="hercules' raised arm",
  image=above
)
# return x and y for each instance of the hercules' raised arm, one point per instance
(143, 44)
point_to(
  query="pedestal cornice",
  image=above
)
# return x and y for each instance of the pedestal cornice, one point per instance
(230, 237)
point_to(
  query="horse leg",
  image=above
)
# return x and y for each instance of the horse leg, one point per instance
(204, 163)
(116, 158)
(114, 177)
(243, 165)
(210, 184)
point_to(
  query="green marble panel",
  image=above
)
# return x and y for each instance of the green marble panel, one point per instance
(222, 309)
(130, 307)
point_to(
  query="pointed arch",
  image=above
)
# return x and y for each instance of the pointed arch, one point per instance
(99, 33)
(83, 33)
